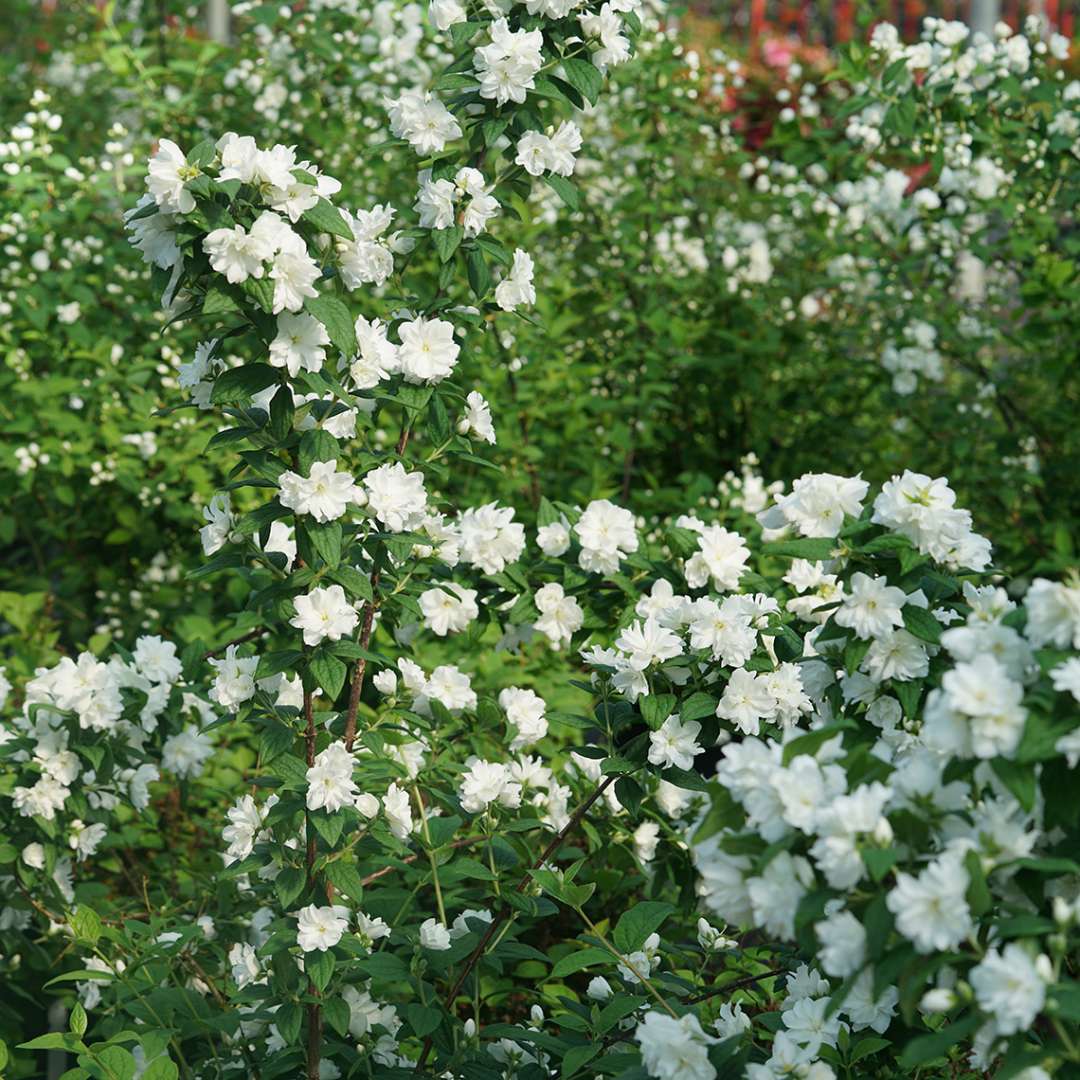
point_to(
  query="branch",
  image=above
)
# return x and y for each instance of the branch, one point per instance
(504, 913)
(738, 984)
(357, 683)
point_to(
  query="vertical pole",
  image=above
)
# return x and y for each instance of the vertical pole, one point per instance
(984, 16)
(217, 20)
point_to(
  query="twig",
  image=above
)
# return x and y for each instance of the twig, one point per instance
(314, 1010)
(738, 984)
(373, 877)
(357, 683)
(504, 913)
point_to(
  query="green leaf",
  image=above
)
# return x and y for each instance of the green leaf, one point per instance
(287, 1020)
(316, 445)
(161, 1068)
(564, 189)
(319, 968)
(218, 301)
(577, 1057)
(635, 925)
(978, 894)
(282, 411)
(656, 708)
(423, 1019)
(697, 707)
(289, 884)
(325, 538)
(55, 1040)
(334, 315)
(580, 960)
(77, 1020)
(929, 1047)
(447, 241)
(922, 624)
(479, 274)
(865, 1047)
(353, 582)
(328, 826)
(327, 218)
(86, 925)
(1019, 779)
(338, 1014)
(238, 385)
(814, 548)
(329, 672)
(584, 77)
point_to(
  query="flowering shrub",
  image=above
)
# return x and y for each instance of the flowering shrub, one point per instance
(806, 811)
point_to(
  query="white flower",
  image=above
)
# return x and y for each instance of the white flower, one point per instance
(1066, 677)
(185, 753)
(420, 117)
(477, 418)
(168, 173)
(818, 503)
(33, 855)
(376, 358)
(517, 288)
(396, 497)
(487, 782)
(325, 493)
(675, 1048)
(428, 351)
(300, 343)
(445, 13)
(234, 682)
(923, 510)
(219, 523)
(646, 837)
(843, 944)
(931, 910)
(449, 608)
(398, 812)
(1053, 614)
(599, 989)
(368, 259)
(553, 539)
(560, 615)
(156, 659)
(607, 536)
(872, 607)
(490, 538)
(675, 743)
(1011, 987)
(330, 782)
(294, 273)
(722, 556)
(434, 935)
(507, 66)
(746, 701)
(320, 928)
(525, 711)
(324, 614)
(239, 253)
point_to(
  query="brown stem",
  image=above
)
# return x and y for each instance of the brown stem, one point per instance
(738, 984)
(467, 841)
(502, 915)
(314, 1010)
(357, 683)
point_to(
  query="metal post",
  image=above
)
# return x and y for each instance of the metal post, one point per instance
(217, 20)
